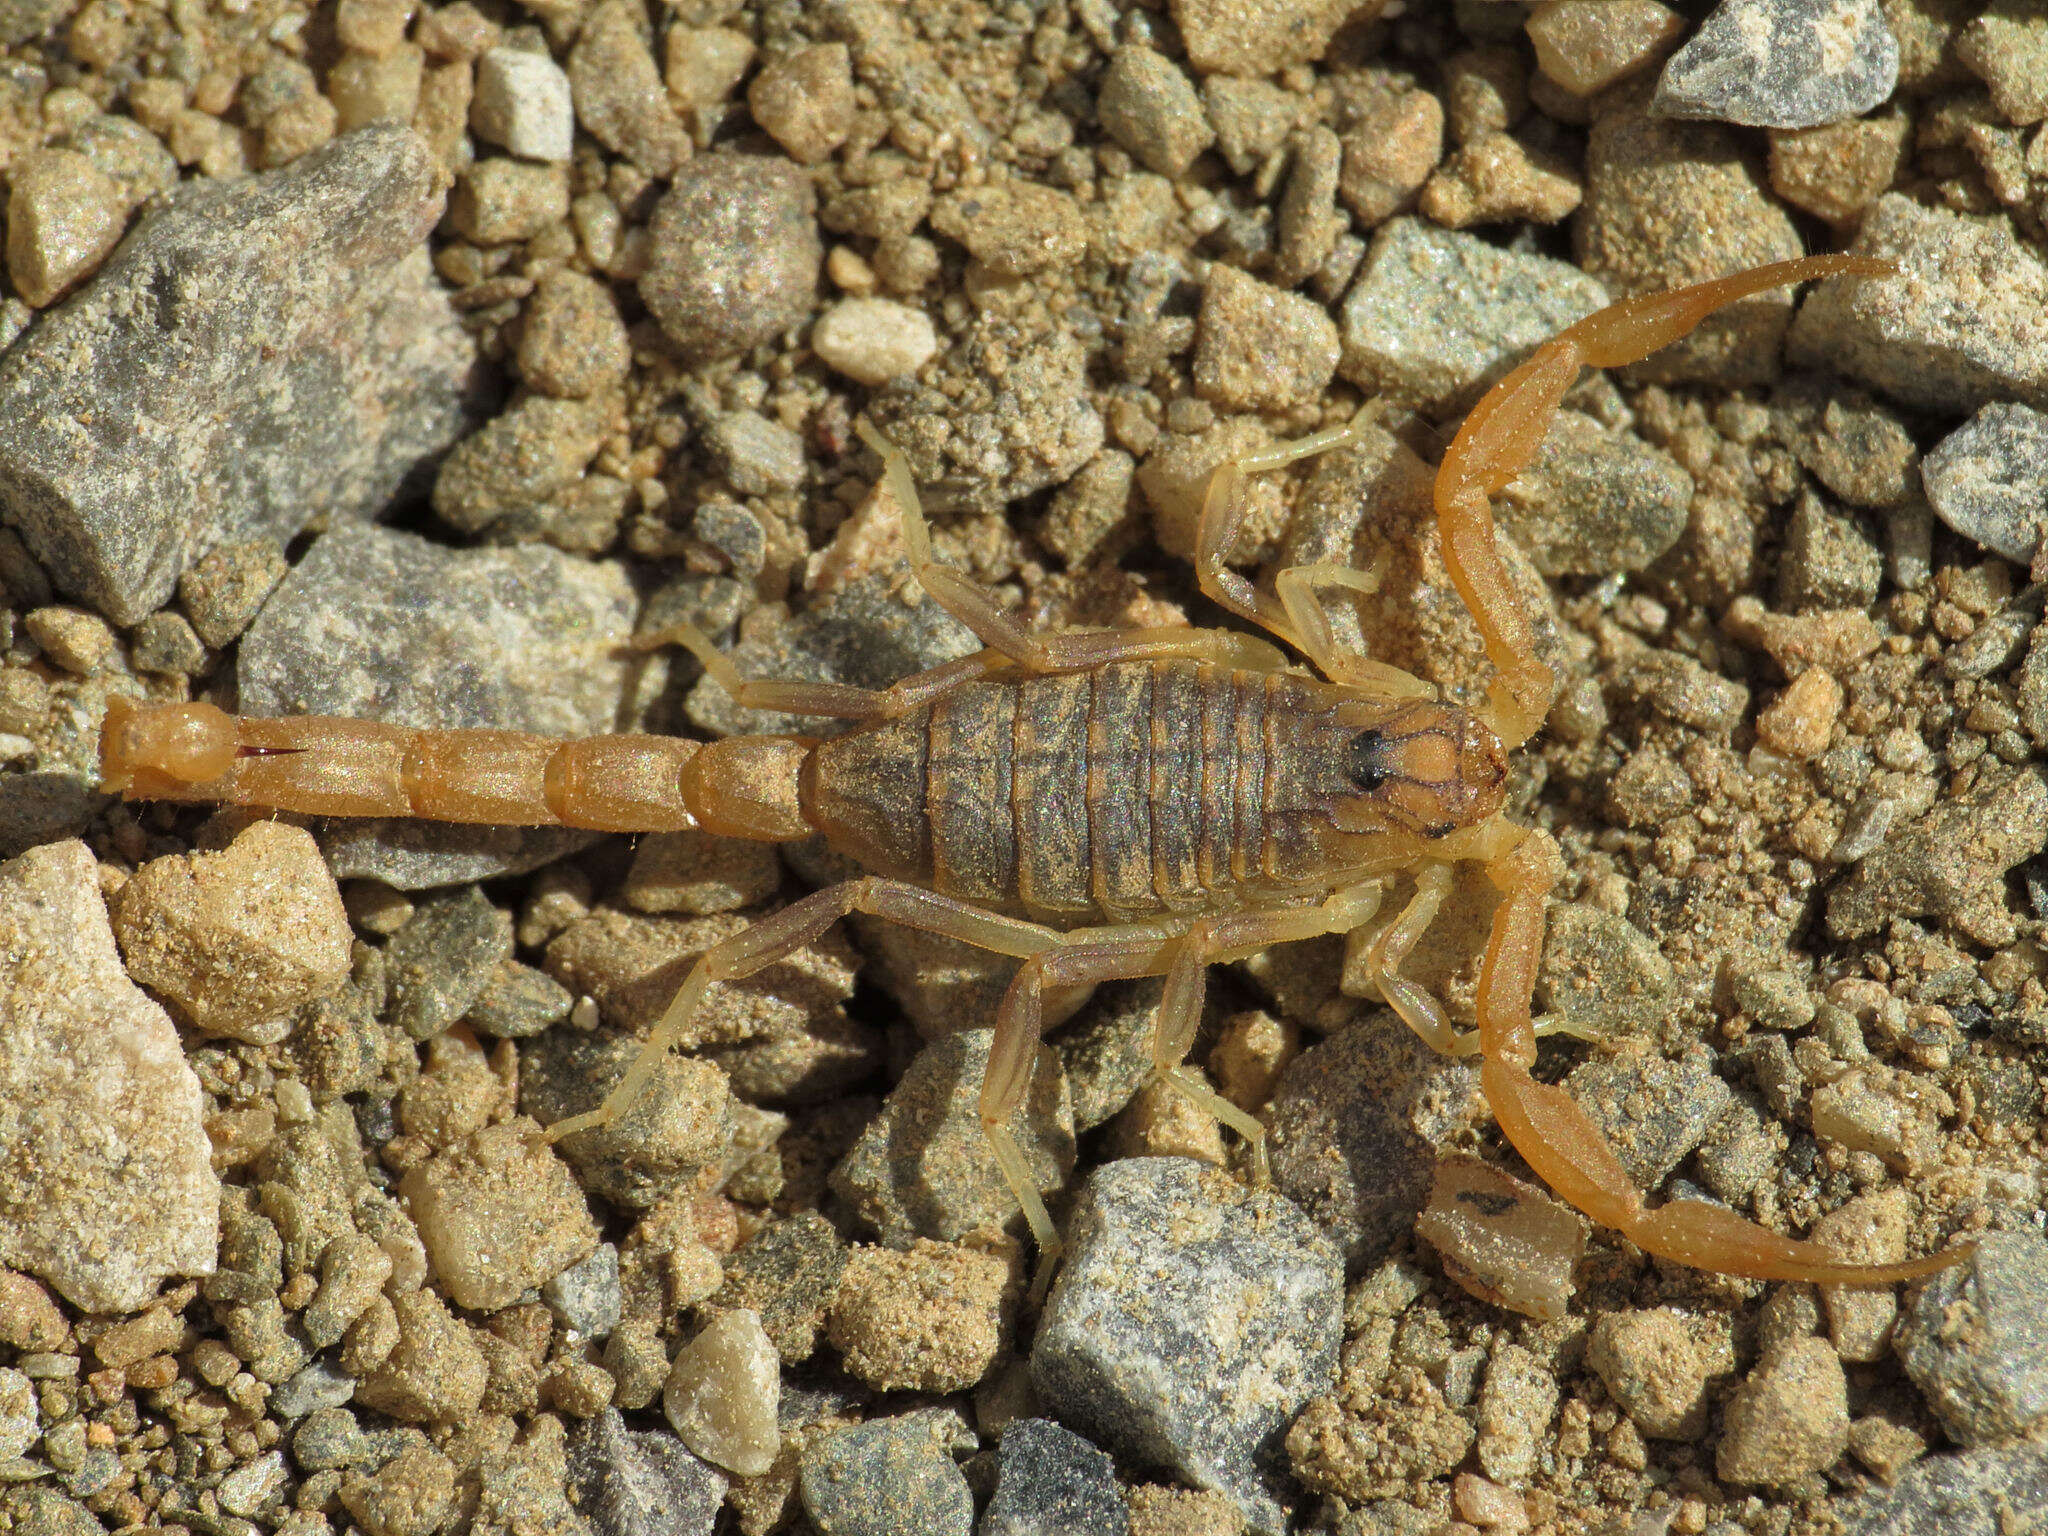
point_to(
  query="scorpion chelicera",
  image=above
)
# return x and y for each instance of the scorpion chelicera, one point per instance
(1103, 804)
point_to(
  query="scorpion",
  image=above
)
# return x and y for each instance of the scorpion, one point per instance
(1104, 804)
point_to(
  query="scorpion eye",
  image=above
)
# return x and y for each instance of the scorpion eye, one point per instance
(1366, 761)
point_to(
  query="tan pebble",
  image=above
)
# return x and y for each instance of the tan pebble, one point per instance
(1161, 1122)
(804, 100)
(374, 27)
(499, 1214)
(698, 873)
(704, 65)
(1389, 153)
(1249, 1055)
(1800, 722)
(1587, 45)
(872, 341)
(1493, 179)
(1788, 1418)
(1488, 1505)
(1013, 228)
(1836, 171)
(64, 214)
(74, 639)
(366, 88)
(929, 1320)
(722, 1393)
(1259, 347)
(499, 200)
(237, 940)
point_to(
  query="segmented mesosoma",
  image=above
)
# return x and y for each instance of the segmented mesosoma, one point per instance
(1101, 804)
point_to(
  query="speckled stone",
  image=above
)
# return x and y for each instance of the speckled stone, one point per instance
(109, 1187)
(264, 391)
(641, 1482)
(1965, 325)
(1192, 1319)
(1051, 1482)
(386, 626)
(887, 1477)
(1436, 315)
(1989, 1491)
(1975, 1340)
(1783, 64)
(1988, 479)
(733, 254)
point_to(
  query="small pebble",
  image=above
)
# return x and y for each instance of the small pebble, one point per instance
(500, 1214)
(1966, 324)
(1051, 1482)
(926, 1319)
(572, 342)
(872, 341)
(1974, 1338)
(787, 1274)
(432, 1372)
(1588, 45)
(1390, 147)
(1253, 39)
(804, 100)
(1148, 106)
(522, 104)
(1836, 171)
(640, 1482)
(1014, 228)
(888, 1477)
(733, 254)
(444, 957)
(1259, 347)
(1988, 479)
(757, 457)
(76, 640)
(1157, 1248)
(499, 201)
(237, 940)
(1659, 1365)
(721, 1394)
(621, 100)
(1789, 1417)
(1595, 501)
(1493, 178)
(64, 216)
(2007, 47)
(1783, 64)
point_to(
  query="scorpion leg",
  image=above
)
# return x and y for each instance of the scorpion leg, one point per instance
(1075, 651)
(782, 934)
(1503, 432)
(837, 700)
(1569, 1153)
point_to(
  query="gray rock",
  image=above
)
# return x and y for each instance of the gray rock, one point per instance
(1988, 479)
(1830, 560)
(862, 634)
(1436, 315)
(757, 456)
(1602, 969)
(1985, 1492)
(733, 254)
(586, 1295)
(999, 416)
(1975, 1340)
(329, 1438)
(317, 1385)
(641, 1482)
(786, 1274)
(1653, 1111)
(1107, 1048)
(1051, 1482)
(108, 1187)
(518, 1002)
(1858, 447)
(385, 626)
(1783, 64)
(1952, 863)
(888, 1477)
(443, 958)
(1355, 1127)
(1133, 1350)
(1964, 325)
(923, 1168)
(258, 352)
(1595, 501)
(527, 455)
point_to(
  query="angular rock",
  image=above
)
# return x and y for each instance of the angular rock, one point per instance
(108, 1186)
(500, 1214)
(385, 626)
(257, 353)
(1964, 325)
(1783, 64)
(1436, 315)
(641, 1482)
(1192, 1319)
(1975, 1340)
(1991, 1491)
(1988, 479)
(888, 1477)
(1354, 1130)
(1595, 501)
(1051, 1482)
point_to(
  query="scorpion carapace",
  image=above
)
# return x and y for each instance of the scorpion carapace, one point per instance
(1103, 804)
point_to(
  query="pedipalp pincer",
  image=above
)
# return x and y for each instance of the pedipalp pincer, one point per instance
(1103, 804)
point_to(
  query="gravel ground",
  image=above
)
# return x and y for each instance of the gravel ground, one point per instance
(408, 361)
